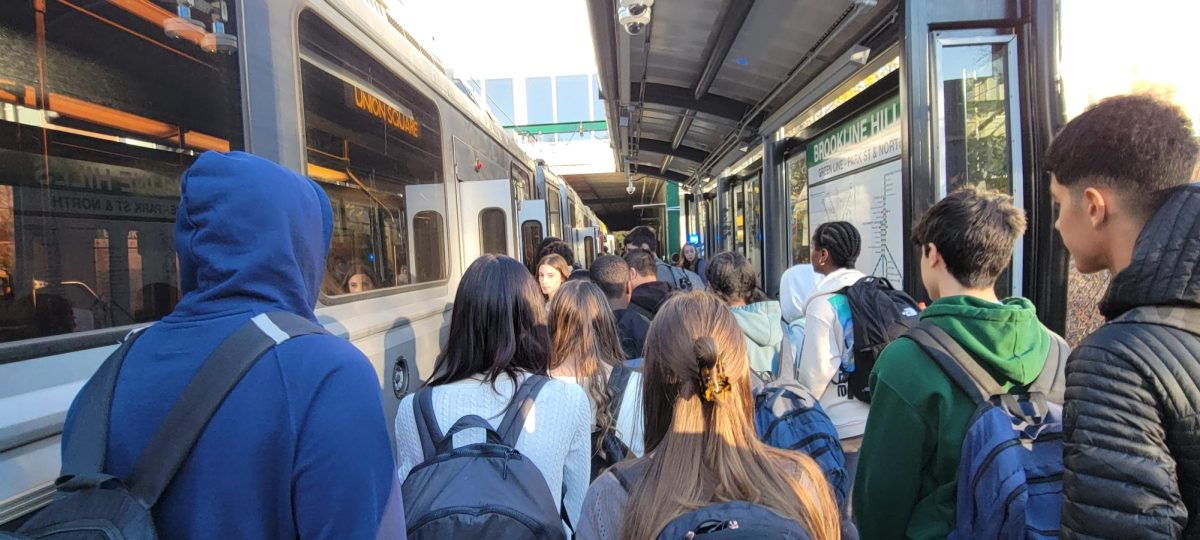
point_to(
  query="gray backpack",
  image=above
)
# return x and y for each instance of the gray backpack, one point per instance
(482, 490)
(93, 505)
(680, 279)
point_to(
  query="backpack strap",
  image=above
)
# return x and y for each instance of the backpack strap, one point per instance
(85, 453)
(618, 380)
(218, 376)
(427, 427)
(519, 407)
(628, 473)
(966, 373)
(1051, 382)
(787, 357)
(467, 422)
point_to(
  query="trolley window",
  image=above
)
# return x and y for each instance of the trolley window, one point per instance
(522, 182)
(100, 113)
(589, 250)
(531, 236)
(554, 210)
(374, 144)
(429, 247)
(493, 229)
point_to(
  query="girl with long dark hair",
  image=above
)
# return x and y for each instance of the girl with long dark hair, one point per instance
(498, 338)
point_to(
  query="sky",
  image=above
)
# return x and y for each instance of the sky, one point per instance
(481, 39)
(1152, 53)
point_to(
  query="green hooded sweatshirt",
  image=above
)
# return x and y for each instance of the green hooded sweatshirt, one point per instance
(907, 478)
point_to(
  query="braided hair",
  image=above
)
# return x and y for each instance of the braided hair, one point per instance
(842, 241)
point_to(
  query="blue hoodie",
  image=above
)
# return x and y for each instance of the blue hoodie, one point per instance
(300, 448)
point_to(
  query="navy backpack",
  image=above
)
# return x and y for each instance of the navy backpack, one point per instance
(91, 504)
(482, 490)
(787, 416)
(1010, 473)
(730, 519)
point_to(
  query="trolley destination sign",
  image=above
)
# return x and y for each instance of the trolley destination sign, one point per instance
(867, 139)
(401, 120)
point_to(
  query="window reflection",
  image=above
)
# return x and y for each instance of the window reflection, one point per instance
(975, 110)
(797, 175)
(100, 113)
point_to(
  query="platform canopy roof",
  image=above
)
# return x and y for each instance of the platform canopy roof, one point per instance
(688, 93)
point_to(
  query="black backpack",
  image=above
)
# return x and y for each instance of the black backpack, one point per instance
(482, 490)
(92, 505)
(880, 313)
(730, 519)
(610, 449)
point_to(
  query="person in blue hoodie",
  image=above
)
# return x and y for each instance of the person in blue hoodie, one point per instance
(735, 281)
(300, 447)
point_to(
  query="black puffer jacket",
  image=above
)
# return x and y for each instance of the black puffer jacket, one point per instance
(1132, 415)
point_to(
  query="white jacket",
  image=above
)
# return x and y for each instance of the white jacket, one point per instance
(827, 334)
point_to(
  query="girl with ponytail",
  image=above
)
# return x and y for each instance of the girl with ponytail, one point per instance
(700, 439)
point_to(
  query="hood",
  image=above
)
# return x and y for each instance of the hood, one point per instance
(831, 284)
(650, 295)
(795, 286)
(760, 323)
(1165, 270)
(1006, 338)
(251, 236)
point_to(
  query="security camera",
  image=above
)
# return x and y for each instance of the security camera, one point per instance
(637, 5)
(630, 189)
(634, 19)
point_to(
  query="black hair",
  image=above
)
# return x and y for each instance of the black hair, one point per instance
(559, 248)
(547, 241)
(643, 234)
(1137, 144)
(499, 325)
(842, 241)
(611, 274)
(731, 277)
(644, 262)
(975, 230)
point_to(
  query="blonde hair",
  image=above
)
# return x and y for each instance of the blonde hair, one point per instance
(706, 450)
(584, 331)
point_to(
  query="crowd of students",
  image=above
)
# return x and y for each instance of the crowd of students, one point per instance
(625, 401)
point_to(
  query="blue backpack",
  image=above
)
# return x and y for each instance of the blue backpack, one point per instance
(482, 490)
(1011, 467)
(787, 416)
